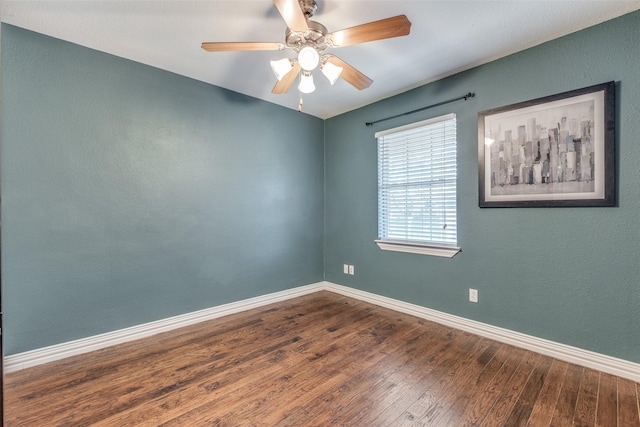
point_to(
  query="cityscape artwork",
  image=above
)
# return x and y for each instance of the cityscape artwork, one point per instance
(554, 151)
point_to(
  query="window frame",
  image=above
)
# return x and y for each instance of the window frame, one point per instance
(423, 247)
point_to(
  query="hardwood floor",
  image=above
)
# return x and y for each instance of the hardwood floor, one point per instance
(317, 360)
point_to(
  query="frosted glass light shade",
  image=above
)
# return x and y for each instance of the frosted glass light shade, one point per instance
(308, 58)
(306, 83)
(331, 72)
(281, 67)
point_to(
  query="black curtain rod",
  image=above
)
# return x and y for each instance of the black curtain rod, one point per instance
(465, 97)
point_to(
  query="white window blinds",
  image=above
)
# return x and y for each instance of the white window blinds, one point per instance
(417, 183)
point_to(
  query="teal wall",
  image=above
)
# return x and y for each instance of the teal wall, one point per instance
(571, 275)
(130, 194)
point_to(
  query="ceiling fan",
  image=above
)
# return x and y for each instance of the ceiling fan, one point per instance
(309, 40)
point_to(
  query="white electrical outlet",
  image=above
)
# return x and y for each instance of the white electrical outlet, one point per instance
(345, 269)
(352, 270)
(473, 295)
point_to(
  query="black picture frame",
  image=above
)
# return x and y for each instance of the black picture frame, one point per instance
(555, 151)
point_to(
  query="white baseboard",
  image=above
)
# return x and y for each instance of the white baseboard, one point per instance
(43, 355)
(578, 356)
(567, 353)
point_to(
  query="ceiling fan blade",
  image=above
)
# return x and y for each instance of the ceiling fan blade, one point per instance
(292, 14)
(285, 83)
(377, 30)
(236, 46)
(350, 74)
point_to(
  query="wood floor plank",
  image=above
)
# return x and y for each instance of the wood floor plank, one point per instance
(135, 375)
(425, 357)
(459, 411)
(350, 398)
(389, 409)
(475, 413)
(501, 411)
(454, 385)
(429, 384)
(357, 369)
(566, 404)
(331, 365)
(628, 404)
(227, 384)
(439, 387)
(524, 405)
(317, 360)
(543, 408)
(587, 402)
(335, 400)
(607, 407)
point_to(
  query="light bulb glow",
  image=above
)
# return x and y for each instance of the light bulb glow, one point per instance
(308, 58)
(281, 67)
(331, 72)
(306, 83)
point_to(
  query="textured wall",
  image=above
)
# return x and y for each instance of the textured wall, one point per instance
(571, 275)
(132, 194)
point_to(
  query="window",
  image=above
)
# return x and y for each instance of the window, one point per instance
(417, 187)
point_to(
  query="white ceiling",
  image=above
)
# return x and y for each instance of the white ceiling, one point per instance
(446, 37)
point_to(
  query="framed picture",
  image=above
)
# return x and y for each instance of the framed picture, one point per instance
(552, 151)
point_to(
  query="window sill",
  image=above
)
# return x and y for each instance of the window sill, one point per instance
(417, 248)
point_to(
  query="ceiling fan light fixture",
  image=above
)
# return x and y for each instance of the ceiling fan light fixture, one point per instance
(308, 58)
(306, 82)
(281, 67)
(331, 72)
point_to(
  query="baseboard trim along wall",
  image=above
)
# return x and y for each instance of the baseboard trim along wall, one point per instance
(578, 356)
(43, 355)
(567, 353)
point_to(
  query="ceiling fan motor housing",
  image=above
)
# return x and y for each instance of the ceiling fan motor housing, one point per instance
(314, 37)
